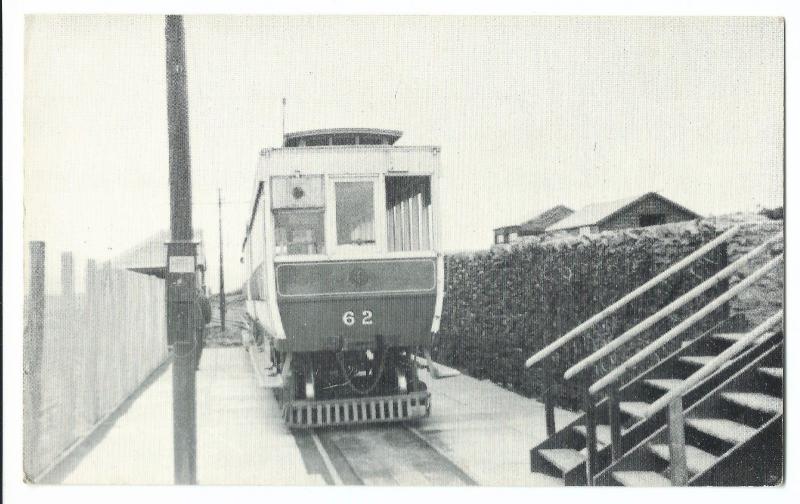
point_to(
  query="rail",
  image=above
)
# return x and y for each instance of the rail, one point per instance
(650, 321)
(626, 366)
(624, 300)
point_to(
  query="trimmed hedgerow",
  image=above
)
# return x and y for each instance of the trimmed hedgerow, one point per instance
(503, 305)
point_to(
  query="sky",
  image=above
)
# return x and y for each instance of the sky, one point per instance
(530, 112)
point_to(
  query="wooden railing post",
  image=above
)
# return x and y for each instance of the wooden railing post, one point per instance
(677, 443)
(591, 429)
(614, 422)
(549, 405)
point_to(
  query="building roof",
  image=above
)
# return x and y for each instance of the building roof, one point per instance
(596, 213)
(505, 229)
(539, 223)
(546, 219)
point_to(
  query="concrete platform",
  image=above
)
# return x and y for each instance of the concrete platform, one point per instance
(241, 438)
(487, 430)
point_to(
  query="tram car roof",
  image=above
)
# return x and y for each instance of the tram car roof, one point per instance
(350, 151)
(341, 136)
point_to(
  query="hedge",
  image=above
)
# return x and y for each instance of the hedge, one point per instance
(503, 305)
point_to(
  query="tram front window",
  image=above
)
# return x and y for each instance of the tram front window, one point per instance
(299, 232)
(355, 213)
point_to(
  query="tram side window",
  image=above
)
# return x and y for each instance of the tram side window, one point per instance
(408, 213)
(299, 231)
(355, 213)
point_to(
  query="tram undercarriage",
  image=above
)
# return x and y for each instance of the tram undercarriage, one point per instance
(350, 387)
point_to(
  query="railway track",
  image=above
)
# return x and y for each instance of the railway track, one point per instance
(381, 455)
(374, 454)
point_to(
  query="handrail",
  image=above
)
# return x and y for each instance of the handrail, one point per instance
(667, 310)
(712, 365)
(626, 366)
(555, 345)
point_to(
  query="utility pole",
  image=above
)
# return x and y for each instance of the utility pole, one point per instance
(221, 268)
(181, 259)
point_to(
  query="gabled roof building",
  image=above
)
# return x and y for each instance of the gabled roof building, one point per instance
(649, 209)
(533, 227)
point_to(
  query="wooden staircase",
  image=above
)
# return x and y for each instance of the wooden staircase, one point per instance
(733, 435)
(564, 454)
(709, 413)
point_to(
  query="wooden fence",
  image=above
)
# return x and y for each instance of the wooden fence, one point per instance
(84, 353)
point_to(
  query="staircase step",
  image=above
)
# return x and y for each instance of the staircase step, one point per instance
(563, 458)
(697, 460)
(697, 360)
(728, 430)
(665, 384)
(641, 479)
(634, 408)
(775, 372)
(602, 432)
(756, 401)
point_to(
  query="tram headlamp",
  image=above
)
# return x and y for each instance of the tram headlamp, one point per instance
(297, 192)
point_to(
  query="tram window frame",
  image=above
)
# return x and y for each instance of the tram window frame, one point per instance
(302, 196)
(333, 246)
(285, 247)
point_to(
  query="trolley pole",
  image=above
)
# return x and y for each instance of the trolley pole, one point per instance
(181, 259)
(221, 269)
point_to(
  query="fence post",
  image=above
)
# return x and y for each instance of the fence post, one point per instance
(677, 443)
(33, 339)
(614, 422)
(72, 357)
(549, 406)
(91, 355)
(103, 315)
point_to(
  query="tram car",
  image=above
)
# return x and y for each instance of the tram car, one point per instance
(345, 277)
